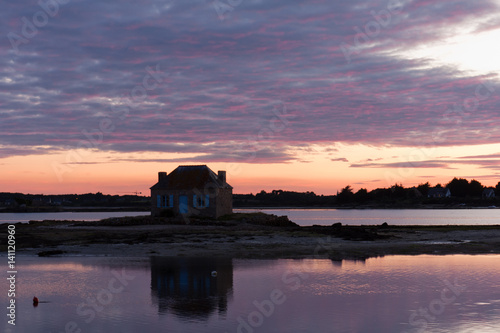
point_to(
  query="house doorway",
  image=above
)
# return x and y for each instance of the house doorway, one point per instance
(183, 204)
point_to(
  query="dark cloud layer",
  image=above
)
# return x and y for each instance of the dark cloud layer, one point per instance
(261, 79)
(491, 162)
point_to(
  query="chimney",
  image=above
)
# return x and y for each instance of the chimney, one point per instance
(162, 175)
(222, 175)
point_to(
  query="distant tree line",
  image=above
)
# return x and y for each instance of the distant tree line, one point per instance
(462, 192)
(280, 198)
(20, 201)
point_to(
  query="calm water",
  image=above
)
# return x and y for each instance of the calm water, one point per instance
(392, 294)
(80, 216)
(306, 217)
(312, 216)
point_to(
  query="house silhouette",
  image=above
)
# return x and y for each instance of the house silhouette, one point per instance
(192, 190)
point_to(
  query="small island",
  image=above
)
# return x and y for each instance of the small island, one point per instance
(245, 235)
(191, 215)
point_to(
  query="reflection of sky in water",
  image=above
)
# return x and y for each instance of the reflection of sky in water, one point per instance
(307, 217)
(182, 295)
(75, 216)
(312, 216)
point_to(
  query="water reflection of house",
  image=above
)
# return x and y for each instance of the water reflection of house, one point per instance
(187, 287)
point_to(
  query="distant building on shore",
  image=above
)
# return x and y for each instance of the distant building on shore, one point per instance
(439, 192)
(488, 193)
(192, 190)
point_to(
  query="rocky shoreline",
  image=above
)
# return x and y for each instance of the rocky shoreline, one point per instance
(253, 235)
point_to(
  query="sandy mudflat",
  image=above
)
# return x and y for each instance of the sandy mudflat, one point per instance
(245, 236)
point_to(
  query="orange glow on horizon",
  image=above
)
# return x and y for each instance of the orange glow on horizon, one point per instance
(322, 173)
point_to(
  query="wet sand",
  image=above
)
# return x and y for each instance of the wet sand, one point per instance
(245, 236)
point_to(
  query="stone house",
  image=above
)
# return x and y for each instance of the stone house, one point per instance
(192, 190)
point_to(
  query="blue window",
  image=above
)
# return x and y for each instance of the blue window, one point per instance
(200, 201)
(165, 201)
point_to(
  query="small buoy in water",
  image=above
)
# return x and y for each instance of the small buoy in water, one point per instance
(35, 301)
(214, 273)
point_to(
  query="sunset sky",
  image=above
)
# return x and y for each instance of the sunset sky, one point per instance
(296, 95)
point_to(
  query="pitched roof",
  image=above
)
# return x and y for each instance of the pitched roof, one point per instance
(186, 177)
